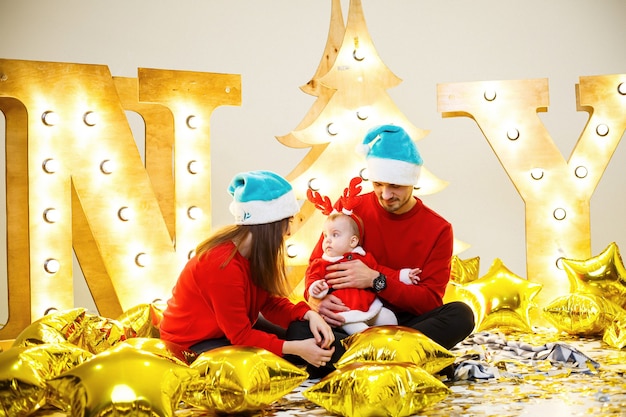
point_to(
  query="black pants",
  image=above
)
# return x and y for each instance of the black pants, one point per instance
(446, 325)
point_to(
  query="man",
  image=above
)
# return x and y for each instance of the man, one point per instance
(402, 234)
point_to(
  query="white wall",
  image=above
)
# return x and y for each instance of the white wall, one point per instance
(276, 46)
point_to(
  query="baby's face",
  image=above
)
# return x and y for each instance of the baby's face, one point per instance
(338, 237)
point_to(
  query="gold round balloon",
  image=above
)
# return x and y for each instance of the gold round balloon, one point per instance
(122, 381)
(143, 319)
(236, 379)
(500, 299)
(380, 344)
(24, 371)
(387, 389)
(603, 275)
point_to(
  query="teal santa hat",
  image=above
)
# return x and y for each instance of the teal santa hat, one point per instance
(261, 197)
(392, 157)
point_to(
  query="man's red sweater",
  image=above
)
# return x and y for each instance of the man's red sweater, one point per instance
(420, 238)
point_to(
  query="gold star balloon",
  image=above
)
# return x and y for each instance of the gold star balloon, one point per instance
(387, 389)
(462, 271)
(579, 313)
(395, 344)
(143, 319)
(55, 327)
(122, 381)
(603, 275)
(163, 348)
(24, 371)
(588, 314)
(241, 379)
(502, 299)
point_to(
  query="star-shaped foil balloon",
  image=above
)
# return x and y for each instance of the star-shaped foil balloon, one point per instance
(588, 314)
(462, 271)
(502, 299)
(603, 275)
(387, 389)
(24, 371)
(379, 344)
(241, 379)
(143, 319)
(122, 381)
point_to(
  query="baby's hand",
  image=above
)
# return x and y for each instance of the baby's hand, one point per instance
(318, 287)
(414, 275)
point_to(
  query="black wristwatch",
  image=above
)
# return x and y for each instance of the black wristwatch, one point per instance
(380, 283)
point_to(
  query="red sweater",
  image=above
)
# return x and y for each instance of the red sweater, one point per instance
(419, 238)
(210, 301)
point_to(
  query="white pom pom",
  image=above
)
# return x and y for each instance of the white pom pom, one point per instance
(362, 149)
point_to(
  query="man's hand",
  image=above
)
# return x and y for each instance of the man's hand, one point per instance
(350, 274)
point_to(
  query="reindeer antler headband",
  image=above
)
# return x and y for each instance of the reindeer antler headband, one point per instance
(345, 204)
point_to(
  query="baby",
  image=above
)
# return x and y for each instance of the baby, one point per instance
(341, 239)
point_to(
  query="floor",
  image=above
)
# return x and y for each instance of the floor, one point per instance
(517, 387)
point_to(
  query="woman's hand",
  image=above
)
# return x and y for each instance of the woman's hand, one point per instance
(309, 350)
(328, 307)
(322, 332)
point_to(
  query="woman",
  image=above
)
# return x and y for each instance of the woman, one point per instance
(238, 273)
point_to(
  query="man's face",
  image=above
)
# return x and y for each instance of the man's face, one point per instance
(394, 198)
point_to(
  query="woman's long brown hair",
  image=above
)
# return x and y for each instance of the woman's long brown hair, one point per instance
(267, 252)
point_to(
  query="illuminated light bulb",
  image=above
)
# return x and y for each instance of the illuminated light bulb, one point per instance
(602, 130)
(358, 54)
(489, 95)
(227, 90)
(331, 128)
(536, 173)
(49, 118)
(292, 250)
(90, 118)
(106, 166)
(124, 214)
(559, 214)
(50, 166)
(51, 215)
(364, 174)
(52, 266)
(50, 310)
(581, 172)
(194, 212)
(559, 263)
(314, 184)
(191, 254)
(193, 167)
(141, 259)
(193, 122)
(512, 134)
(362, 114)
(622, 89)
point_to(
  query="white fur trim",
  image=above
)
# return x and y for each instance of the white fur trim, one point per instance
(404, 276)
(260, 212)
(320, 295)
(353, 316)
(392, 171)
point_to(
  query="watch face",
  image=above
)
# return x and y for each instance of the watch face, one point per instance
(380, 283)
